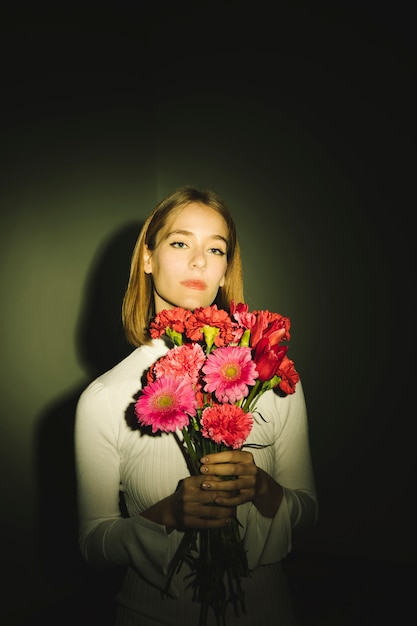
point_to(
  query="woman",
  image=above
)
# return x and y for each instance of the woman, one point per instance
(187, 255)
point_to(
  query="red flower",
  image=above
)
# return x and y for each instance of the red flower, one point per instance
(289, 376)
(175, 318)
(226, 424)
(203, 398)
(272, 325)
(268, 358)
(214, 317)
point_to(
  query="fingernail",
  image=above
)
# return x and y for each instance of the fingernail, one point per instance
(206, 485)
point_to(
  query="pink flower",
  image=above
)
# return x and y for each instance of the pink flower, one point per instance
(227, 424)
(185, 361)
(240, 312)
(166, 404)
(228, 372)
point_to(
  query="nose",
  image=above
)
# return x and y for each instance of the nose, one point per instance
(198, 259)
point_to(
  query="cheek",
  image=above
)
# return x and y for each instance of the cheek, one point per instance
(223, 274)
(165, 266)
(160, 261)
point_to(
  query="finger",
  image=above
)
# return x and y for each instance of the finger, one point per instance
(229, 469)
(234, 498)
(228, 456)
(219, 469)
(220, 486)
(229, 488)
(208, 510)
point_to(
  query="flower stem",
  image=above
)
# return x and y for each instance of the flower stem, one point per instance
(252, 394)
(194, 458)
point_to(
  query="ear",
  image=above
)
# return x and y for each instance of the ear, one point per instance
(147, 260)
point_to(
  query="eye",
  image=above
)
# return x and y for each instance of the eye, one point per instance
(178, 244)
(218, 251)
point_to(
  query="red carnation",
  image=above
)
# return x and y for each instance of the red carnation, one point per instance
(175, 319)
(214, 317)
(289, 376)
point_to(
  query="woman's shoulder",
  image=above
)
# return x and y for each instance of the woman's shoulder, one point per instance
(139, 358)
(128, 373)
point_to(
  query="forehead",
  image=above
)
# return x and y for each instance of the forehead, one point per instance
(196, 217)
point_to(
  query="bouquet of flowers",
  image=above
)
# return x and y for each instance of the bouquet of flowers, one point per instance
(207, 386)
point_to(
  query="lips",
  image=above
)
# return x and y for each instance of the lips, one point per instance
(199, 285)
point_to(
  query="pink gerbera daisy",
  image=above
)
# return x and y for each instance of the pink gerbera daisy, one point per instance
(228, 372)
(227, 424)
(166, 404)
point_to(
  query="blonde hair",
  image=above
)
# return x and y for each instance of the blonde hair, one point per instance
(138, 306)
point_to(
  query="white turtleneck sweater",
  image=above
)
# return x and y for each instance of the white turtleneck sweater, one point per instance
(113, 456)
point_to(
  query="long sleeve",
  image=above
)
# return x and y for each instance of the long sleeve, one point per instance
(105, 537)
(102, 439)
(281, 427)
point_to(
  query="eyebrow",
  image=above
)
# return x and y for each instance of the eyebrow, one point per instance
(190, 234)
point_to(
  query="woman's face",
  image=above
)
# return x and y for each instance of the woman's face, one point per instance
(189, 262)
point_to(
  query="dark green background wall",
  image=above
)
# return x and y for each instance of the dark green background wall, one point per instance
(304, 120)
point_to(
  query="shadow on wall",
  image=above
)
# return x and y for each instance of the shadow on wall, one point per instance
(100, 344)
(100, 338)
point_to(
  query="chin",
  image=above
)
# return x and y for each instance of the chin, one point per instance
(195, 303)
(191, 301)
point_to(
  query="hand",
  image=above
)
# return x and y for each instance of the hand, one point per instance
(250, 483)
(238, 464)
(209, 501)
(194, 504)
